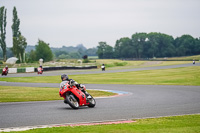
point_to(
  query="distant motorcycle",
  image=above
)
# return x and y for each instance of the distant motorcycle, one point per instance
(4, 72)
(40, 71)
(75, 97)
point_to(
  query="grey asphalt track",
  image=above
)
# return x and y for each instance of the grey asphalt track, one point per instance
(142, 101)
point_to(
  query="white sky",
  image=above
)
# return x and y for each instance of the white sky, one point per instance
(87, 22)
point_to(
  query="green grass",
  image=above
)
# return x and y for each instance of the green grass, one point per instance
(174, 124)
(119, 64)
(183, 58)
(175, 76)
(23, 94)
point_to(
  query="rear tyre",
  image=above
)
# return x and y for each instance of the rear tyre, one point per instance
(72, 101)
(91, 102)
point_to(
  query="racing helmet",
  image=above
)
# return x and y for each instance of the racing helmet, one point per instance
(64, 76)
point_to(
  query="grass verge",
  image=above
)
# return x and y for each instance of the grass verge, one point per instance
(123, 64)
(175, 76)
(23, 94)
(183, 58)
(174, 124)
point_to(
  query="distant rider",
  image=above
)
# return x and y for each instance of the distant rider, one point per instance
(5, 70)
(6, 67)
(193, 61)
(103, 67)
(41, 68)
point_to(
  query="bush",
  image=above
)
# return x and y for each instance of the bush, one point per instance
(86, 61)
(120, 63)
(18, 62)
(116, 64)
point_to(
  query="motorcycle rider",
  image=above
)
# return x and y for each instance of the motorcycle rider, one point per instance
(66, 79)
(103, 67)
(41, 68)
(6, 68)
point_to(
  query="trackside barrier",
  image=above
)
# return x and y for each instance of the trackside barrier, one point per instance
(12, 70)
(21, 70)
(30, 69)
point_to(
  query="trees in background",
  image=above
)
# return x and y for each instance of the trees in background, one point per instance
(16, 23)
(138, 41)
(19, 41)
(104, 51)
(31, 56)
(186, 45)
(42, 50)
(3, 31)
(143, 45)
(122, 45)
(72, 52)
(159, 45)
(63, 52)
(19, 45)
(91, 51)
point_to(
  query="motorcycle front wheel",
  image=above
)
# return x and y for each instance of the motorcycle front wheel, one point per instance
(72, 101)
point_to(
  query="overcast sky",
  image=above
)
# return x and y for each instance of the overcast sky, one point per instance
(87, 22)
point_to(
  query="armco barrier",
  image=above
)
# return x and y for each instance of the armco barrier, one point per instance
(30, 69)
(12, 70)
(66, 67)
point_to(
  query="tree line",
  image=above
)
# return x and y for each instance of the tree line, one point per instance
(143, 45)
(73, 52)
(38, 51)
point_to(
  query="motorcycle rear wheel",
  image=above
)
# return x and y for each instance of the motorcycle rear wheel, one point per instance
(92, 102)
(71, 100)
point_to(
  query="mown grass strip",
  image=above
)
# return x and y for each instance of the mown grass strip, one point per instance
(175, 76)
(174, 124)
(123, 64)
(23, 94)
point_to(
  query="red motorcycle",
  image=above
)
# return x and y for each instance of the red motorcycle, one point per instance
(40, 71)
(75, 97)
(4, 72)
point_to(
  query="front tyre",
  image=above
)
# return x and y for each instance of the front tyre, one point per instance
(72, 101)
